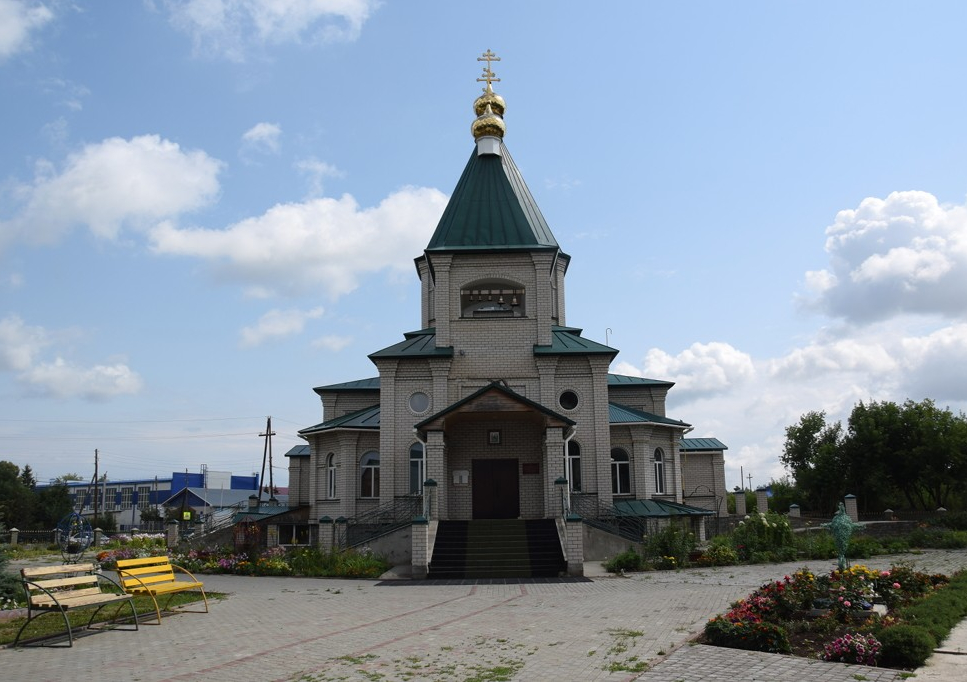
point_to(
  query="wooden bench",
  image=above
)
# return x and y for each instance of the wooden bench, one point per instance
(156, 576)
(59, 589)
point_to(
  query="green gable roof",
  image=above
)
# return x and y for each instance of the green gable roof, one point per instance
(491, 208)
(499, 387)
(621, 414)
(367, 418)
(697, 444)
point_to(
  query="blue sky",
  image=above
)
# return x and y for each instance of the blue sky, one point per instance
(208, 207)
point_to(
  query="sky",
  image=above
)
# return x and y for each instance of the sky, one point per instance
(209, 207)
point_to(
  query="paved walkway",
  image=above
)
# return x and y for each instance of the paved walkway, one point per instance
(323, 630)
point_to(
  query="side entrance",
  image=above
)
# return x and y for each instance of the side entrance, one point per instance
(496, 488)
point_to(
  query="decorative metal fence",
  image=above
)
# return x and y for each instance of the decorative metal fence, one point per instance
(380, 521)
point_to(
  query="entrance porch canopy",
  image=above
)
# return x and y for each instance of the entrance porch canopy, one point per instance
(495, 401)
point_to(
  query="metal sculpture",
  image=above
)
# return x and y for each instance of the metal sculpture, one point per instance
(842, 528)
(75, 536)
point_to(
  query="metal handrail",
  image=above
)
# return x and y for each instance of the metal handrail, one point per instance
(609, 518)
(379, 521)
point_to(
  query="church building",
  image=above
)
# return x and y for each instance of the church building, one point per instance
(496, 419)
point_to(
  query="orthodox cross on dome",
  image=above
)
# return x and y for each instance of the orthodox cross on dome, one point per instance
(488, 75)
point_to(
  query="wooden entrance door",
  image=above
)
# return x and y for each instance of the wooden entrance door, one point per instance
(496, 489)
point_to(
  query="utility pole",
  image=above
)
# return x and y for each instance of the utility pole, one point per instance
(97, 493)
(266, 455)
(750, 481)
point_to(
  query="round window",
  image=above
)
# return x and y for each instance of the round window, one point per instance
(568, 400)
(419, 402)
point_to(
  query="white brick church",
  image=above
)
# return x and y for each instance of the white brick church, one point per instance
(495, 411)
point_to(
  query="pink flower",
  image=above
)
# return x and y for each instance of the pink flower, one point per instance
(896, 586)
(847, 604)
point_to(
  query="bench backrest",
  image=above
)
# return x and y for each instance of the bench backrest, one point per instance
(135, 573)
(67, 580)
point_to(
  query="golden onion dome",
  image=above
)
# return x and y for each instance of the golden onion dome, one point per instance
(496, 102)
(488, 124)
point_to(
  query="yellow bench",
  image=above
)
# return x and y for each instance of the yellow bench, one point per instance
(59, 589)
(155, 576)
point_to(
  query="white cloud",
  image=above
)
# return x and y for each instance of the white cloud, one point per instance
(315, 172)
(833, 358)
(114, 184)
(702, 369)
(277, 324)
(903, 254)
(60, 379)
(332, 342)
(18, 20)
(327, 243)
(262, 137)
(20, 346)
(231, 27)
(937, 364)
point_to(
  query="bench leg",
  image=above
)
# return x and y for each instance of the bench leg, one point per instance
(31, 618)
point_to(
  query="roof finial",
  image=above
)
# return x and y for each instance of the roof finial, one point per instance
(489, 108)
(487, 74)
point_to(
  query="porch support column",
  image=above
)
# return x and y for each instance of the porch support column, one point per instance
(436, 468)
(553, 469)
(574, 541)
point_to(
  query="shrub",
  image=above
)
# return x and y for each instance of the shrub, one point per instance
(863, 547)
(628, 560)
(951, 520)
(669, 547)
(719, 555)
(905, 646)
(752, 636)
(759, 533)
(853, 648)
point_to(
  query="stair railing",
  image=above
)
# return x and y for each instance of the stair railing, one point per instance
(379, 521)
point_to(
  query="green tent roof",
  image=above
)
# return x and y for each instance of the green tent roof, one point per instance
(624, 380)
(491, 208)
(418, 344)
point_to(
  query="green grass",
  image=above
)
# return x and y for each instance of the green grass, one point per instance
(53, 624)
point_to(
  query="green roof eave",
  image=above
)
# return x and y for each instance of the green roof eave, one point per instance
(622, 414)
(491, 208)
(624, 380)
(366, 419)
(700, 444)
(568, 341)
(371, 384)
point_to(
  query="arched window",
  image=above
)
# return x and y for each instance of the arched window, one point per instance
(369, 472)
(416, 469)
(659, 471)
(620, 472)
(574, 465)
(331, 476)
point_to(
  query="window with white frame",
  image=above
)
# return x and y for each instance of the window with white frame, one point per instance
(620, 472)
(126, 497)
(369, 475)
(331, 476)
(659, 471)
(144, 496)
(110, 499)
(574, 465)
(417, 465)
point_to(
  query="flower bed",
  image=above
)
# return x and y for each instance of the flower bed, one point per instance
(832, 616)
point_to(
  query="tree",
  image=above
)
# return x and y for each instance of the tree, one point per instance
(16, 500)
(27, 477)
(813, 454)
(53, 504)
(65, 478)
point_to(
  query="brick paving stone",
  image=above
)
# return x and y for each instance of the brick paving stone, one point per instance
(322, 630)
